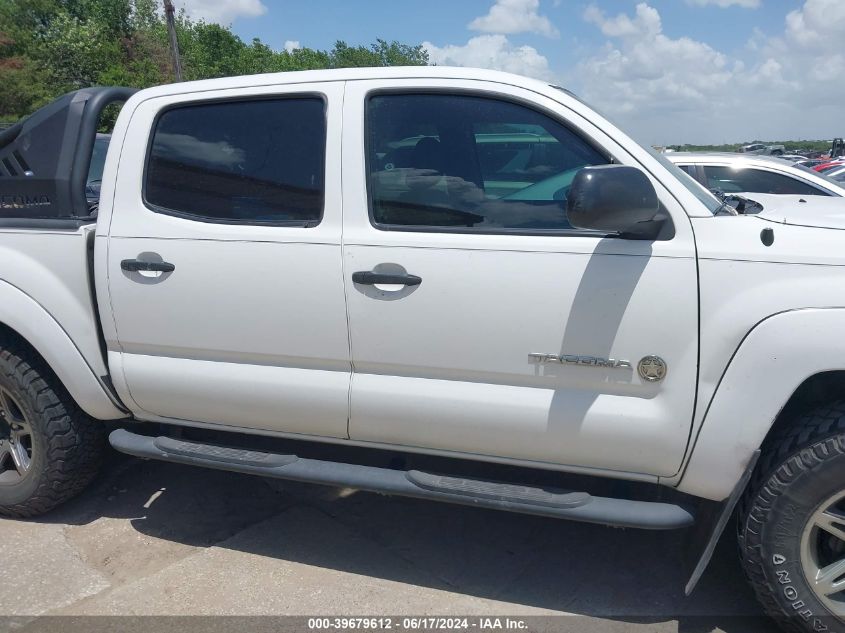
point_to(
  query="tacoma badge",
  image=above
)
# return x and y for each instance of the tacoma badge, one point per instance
(584, 361)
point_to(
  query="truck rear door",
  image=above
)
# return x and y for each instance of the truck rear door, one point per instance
(223, 261)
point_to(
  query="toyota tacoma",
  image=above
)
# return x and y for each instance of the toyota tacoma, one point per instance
(443, 283)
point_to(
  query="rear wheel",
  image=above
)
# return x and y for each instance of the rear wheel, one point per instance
(15, 440)
(792, 525)
(49, 449)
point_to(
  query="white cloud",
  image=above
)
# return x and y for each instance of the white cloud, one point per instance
(724, 4)
(645, 23)
(818, 24)
(192, 150)
(292, 45)
(810, 55)
(514, 16)
(671, 90)
(646, 69)
(491, 51)
(222, 11)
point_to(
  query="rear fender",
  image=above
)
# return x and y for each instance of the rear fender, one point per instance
(34, 324)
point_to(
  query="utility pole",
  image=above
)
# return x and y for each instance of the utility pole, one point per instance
(174, 43)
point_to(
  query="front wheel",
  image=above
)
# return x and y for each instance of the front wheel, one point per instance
(49, 449)
(792, 525)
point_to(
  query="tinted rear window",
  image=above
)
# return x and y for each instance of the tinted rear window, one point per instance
(251, 162)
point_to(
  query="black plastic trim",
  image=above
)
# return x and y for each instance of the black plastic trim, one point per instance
(68, 224)
(45, 158)
(369, 278)
(548, 497)
(581, 507)
(720, 524)
(87, 136)
(11, 133)
(137, 265)
(21, 160)
(223, 454)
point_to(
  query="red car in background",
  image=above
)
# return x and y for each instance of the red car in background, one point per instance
(828, 165)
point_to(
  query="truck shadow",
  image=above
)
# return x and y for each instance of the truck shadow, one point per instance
(624, 578)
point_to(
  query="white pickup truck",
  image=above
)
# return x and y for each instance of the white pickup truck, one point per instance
(443, 283)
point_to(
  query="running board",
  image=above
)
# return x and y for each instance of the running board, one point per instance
(550, 502)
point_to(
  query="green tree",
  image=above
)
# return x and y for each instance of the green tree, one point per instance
(23, 87)
(381, 53)
(209, 50)
(49, 47)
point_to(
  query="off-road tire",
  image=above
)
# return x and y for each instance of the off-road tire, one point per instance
(802, 468)
(67, 445)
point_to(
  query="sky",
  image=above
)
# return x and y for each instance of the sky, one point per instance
(665, 71)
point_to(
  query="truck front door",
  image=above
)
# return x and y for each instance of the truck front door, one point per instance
(481, 322)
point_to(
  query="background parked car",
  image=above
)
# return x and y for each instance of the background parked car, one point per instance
(829, 166)
(738, 173)
(837, 174)
(793, 158)
(763, 149)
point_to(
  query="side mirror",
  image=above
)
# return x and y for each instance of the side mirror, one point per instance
(615, 199)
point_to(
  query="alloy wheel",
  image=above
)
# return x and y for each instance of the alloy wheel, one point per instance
(823, 553)
(15, 440)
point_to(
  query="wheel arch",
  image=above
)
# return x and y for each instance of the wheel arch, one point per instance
(24, 320)
(788, 363)
(817, 390)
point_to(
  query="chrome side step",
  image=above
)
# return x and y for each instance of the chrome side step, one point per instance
(551, 502)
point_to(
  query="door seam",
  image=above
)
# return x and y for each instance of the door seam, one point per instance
(343, 262)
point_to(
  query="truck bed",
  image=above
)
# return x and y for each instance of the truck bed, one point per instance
(53, 267)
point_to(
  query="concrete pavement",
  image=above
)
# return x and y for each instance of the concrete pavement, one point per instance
(159, 539)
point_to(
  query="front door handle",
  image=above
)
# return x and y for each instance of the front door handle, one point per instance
(137, 265)
(369, 278)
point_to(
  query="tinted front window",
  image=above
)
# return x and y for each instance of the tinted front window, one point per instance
(748, 180)
(441, 161)
(248, 161)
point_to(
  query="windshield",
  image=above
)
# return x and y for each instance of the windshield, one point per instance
(710, 201)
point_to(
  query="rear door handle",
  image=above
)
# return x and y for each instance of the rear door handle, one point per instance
(136, 265)
(369, 278)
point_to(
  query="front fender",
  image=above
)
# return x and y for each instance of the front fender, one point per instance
(32, 322)
(771, 362)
